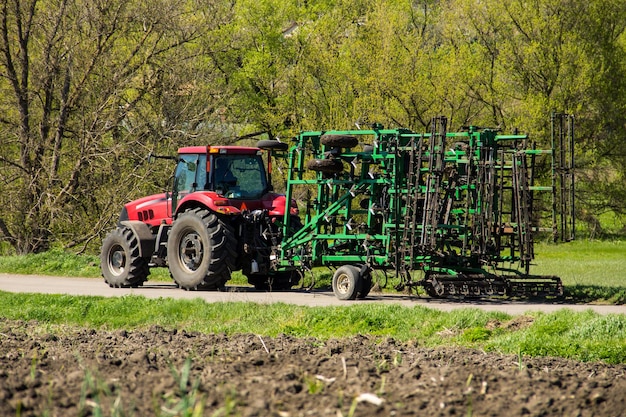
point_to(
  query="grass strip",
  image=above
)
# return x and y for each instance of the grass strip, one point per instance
(585, 336)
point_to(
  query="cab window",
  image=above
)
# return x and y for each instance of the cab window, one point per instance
(239, 176)
(190, 173)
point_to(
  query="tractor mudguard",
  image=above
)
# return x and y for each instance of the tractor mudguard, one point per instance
(276, 205)
(145, 236)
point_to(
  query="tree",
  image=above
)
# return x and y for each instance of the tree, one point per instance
(88, 88)
(76, 76)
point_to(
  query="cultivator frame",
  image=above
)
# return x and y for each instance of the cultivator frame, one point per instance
(461, 207)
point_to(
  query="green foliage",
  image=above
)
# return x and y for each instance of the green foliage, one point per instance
(595, 293)
(100, 87)
(94, 392)
(585, 336)
(476, 334)
(188, 400)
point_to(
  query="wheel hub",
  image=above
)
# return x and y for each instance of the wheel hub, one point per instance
(343, 283)
(117, 260)
(191, 251)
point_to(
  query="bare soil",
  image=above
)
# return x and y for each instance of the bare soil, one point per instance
(159, 372)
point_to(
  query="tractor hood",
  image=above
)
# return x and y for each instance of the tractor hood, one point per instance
(156, 209)
(151, 210)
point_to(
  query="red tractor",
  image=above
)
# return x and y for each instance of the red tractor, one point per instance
(221, 216)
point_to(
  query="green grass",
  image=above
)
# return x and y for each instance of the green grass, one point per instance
(64, 264)
(592, 271)
(583, 262)
(54, 262)
(585, 336)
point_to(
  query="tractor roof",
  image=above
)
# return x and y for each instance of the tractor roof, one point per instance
(219, 149)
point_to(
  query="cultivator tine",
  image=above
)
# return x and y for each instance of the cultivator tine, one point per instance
(432, 195)
(563, 219)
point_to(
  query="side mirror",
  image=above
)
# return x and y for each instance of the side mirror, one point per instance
(152, 157)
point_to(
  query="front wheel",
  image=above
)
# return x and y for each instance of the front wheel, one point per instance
(202, 250)
(120, 262)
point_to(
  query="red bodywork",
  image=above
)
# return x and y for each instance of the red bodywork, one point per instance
(157, 209)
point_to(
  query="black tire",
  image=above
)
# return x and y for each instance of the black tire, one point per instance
(366, 286)
(120, 262)
(339, 141)
(281, 281)
(272, 145)
(328, 166)
(202, 250)
(347, 282)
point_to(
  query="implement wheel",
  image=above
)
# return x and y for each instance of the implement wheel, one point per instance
(327, 166)
(347, 282)
(201, 250)
(339, 141)
(272, 145)
(120, 262)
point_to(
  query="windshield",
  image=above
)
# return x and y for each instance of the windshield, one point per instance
(238, 176)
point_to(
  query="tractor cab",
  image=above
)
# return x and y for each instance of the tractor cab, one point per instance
(237, 176)
(226, 175)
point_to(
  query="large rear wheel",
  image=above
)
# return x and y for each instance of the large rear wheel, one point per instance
(202, 250)
(120, 262)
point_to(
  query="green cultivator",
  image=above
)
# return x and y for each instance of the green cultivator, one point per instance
(459, 208)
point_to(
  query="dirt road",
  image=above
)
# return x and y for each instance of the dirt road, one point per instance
(92, 286)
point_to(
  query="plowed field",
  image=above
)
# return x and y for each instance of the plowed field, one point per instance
(162, 372)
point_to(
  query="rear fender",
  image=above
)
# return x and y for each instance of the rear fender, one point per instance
(211, 201)
(277, 206)
(144, 234)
